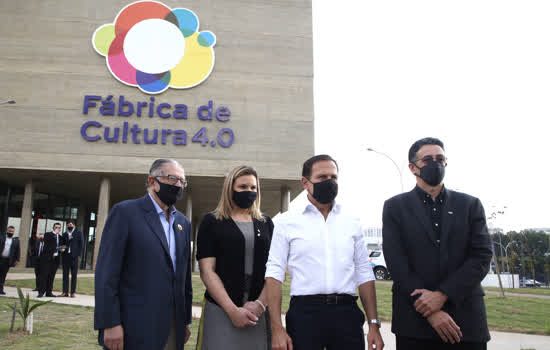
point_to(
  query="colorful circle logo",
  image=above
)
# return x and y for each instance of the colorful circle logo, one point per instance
(154, 47)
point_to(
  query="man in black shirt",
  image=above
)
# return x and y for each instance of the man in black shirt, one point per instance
(438, 250)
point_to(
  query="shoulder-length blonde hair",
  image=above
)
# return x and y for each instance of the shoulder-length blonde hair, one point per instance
(225, 205)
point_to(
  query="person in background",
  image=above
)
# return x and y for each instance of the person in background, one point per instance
(232, 248)
(9, 254)
(437, 248)
(49, 261)
(73, 239)
(34, 245)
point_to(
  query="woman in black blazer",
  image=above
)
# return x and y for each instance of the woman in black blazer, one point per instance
(232, 249)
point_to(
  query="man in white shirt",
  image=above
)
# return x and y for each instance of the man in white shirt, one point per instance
(9, 254)
(325, 253)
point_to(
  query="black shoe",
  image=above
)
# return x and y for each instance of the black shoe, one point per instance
(50, 295)
(40, 295)
(35, 290)
(2, 292)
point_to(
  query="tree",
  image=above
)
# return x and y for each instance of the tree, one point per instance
(25, 308)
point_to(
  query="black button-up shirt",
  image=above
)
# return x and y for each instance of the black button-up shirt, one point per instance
(433, 208)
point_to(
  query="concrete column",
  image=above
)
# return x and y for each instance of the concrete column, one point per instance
(82, 215)
(102, 212)
(26, 222)
(80, 224)
(194, 253)
(285, 198)
(5, 214)
(189, 206)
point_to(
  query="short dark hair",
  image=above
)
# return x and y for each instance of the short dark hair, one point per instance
(308, 164)
(10, 226)
(423, 142)
(57, 223)
(71, 221)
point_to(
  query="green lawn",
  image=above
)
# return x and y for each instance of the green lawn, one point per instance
(518, 314)
(85, 285)
(58, 327)
(513, 314)
(534, 291)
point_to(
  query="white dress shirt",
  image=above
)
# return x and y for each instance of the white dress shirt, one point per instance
(323, 257)
(70, 235)
(56, 253)
(7, 247)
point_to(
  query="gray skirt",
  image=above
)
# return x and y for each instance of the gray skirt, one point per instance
(216, 332)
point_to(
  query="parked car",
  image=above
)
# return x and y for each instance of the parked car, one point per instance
(530, 283)
(379, 267)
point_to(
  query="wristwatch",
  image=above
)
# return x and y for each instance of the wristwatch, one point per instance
(376, 322)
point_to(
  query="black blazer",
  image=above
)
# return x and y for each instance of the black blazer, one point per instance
(455, 265)
(34, 245)
(50, 245)
(15, 251)
(75, 244)
(223, 240)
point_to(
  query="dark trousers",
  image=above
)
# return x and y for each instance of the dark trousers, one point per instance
(70, 263)
(44, 267)
(48, 268)
(406, 343)
(321, 326)
(51, 275)
(4, 267)
(36, 265)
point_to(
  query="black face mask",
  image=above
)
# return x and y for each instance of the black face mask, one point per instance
(10, 235)
(432, 173)
(169, 194)
(324, 192)
(244, 199)
(70, 228)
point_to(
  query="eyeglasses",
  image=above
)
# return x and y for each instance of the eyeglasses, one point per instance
(441, 159)
(173, 180)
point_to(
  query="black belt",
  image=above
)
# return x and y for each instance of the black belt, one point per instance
(328, 299)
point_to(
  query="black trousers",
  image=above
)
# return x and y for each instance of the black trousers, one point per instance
(48, 268)
(70, 264)
(44, 266)
(406, 343)
(330, 327)
(4, 267)
(36, 265)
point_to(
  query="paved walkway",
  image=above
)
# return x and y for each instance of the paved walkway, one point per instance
(500, 340)
(522, 295)
(28, 276)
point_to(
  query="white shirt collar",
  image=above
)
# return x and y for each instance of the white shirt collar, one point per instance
(336, 207)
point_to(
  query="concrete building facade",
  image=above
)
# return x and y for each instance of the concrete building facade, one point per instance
(70, 148)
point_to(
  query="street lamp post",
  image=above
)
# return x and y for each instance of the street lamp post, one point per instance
(506, 256)
(394, 163)
(9, 101)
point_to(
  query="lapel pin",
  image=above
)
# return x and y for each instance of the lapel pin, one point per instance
(450, 213)
(179, 227)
